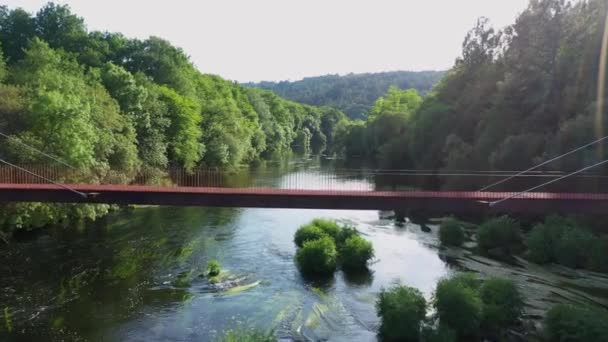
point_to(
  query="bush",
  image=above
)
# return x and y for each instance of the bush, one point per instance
(308, 232)
(561, 240)
(356, 252)
(573, 249)
(541, 242)
(503, 303)
(213, 268)
(451, 232)
(345, 234)
(317, 256)
(598, 256)
(352, 250)
(572, 323)
(458, 306)
(467, 279)
(501, 233)
(329, 227)
(401, 310)
(560, 222)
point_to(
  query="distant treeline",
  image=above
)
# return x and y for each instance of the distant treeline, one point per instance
(353, 94)
(110, 106)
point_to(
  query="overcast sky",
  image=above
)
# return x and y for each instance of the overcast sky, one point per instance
(253, 40)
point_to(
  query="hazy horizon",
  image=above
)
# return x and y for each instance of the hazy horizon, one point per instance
(343, 74)
(273, 40)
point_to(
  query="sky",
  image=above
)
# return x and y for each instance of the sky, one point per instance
(255, 40)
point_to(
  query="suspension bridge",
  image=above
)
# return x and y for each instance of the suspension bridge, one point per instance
(427, 191)
(307, 189)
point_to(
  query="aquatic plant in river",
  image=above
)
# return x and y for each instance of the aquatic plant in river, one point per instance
(341, 245)
(318, 256)
(213, 268)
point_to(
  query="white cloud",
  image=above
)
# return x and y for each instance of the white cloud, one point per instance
(252, 40)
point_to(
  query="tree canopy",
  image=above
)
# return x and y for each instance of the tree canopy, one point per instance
(354, 94)
(515, 97)
(111, 106)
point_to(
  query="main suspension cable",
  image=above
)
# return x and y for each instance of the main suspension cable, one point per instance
(44, 178)
(55, 158)
(547, 183)
(544, 163)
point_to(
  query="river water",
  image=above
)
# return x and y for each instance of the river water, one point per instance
(135, 276)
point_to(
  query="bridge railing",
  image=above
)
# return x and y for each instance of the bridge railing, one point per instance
(307, 179)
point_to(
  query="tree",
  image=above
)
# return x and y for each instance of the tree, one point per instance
(59, 112)
(184, 133)
(353, 94)
(396, 101)
(480, 45)
(124, 88)
(164, 63)
(17, 27)
(56, 25)
(2, 65)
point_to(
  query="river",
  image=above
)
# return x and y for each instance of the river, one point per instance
(135, 275)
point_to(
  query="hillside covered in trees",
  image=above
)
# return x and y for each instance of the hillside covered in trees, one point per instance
(354, 93)
(517, 96)
(110, 106)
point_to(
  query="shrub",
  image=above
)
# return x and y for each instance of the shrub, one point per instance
(572, 323)
(329, 227)
(401, 310)
(560, 222)
(598, 256)
(458, 306)
(345, 234)
(451, 232)
(503, 303)
(499, 233)
(541, 242)
(561, 240)
(308, 232)
(356, 252)
(467, 279)
(213, 268)
(573, 248)
(317, 256)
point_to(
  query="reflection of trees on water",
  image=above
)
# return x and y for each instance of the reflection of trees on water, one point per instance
(363, 277)
(115, 263)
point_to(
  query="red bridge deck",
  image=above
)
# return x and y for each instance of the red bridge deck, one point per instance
(427, 201)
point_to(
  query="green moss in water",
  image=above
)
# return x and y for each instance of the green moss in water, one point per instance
(213, 268)
(183, 279)
(248, 336)
(8, 322)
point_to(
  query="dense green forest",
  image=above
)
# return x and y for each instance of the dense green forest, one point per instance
(112, 106)
(354, 93)
(515, 97)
